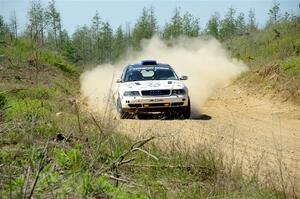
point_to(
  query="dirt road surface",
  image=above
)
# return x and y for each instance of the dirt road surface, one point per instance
(262, 134)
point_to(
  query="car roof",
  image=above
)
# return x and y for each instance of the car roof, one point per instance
(150, 66)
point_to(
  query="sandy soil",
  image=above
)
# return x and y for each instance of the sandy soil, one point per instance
(260, 133)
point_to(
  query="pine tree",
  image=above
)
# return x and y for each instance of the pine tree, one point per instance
(128, 36)
(13, 24)
(274, 13)
(228, 27)
(53, 17)
(145, 27)
(95, 31)
(67, 47)
(175, 27)
(240, 24)
(212, 26)
(190, 25)
(153, 27)
(4, 29)
(106, 42)
(118, 44)
(37, 21)
(251, 26)
(82, 42)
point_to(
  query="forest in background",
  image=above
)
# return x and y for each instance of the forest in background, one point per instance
(97, 42)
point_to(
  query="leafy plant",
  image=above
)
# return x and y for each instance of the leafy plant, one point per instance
(74, 158)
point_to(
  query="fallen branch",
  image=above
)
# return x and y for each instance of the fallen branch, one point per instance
(127, 161)
(121, 160)
(111, 177)
(134, 147)
(142, 150)
(115, 178)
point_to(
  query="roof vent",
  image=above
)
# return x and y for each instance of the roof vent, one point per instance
(148, 62)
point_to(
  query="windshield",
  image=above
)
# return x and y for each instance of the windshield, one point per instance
(149, 73)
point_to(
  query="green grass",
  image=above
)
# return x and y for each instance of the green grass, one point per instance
(292, 66)
(274, 62)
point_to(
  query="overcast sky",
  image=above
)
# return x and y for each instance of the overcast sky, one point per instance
(120, 12)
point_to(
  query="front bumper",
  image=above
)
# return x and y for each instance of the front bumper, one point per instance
(156, 104)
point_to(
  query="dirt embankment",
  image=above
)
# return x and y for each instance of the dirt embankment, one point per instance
(261, 134)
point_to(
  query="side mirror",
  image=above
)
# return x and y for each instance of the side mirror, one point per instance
(118, 80)
(183, 77)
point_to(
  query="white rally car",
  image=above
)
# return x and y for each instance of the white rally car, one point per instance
(152, 88)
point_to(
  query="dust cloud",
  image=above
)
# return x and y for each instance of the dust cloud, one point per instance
(206, 63)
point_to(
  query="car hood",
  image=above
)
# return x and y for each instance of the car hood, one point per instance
(151, 85)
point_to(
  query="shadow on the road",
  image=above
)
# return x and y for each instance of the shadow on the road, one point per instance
(200, 117)
(160, 117)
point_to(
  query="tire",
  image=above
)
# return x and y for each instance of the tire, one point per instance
(186, 114)
(121, 113)
(143, 116)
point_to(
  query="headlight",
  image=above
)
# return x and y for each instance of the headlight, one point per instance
(131, 93)
(178, 92)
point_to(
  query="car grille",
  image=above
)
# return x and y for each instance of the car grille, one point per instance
(177, 104)
(154, 105)
(134, 105)
(155, 92)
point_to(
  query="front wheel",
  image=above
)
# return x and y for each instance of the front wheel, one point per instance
(186, 114)
(121, 113)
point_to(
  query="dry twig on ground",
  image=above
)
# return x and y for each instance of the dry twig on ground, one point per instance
(122, 158)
